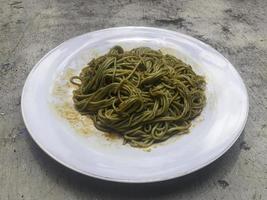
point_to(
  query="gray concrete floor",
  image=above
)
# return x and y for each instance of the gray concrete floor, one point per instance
(30, 28)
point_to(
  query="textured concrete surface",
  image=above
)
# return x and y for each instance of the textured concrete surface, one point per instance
(30, 28)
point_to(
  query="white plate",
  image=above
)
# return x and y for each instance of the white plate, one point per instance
(74, 142)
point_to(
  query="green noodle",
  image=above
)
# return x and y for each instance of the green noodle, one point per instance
(141, 94)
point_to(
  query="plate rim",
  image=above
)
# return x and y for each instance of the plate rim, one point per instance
(127, 180)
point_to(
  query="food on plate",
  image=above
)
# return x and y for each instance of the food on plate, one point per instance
(141, 94)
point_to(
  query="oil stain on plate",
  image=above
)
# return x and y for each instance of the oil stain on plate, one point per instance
(61, 94)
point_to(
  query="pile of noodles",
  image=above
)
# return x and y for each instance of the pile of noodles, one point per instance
(141, 94)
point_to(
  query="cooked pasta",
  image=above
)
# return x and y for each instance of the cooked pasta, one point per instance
(141, 94)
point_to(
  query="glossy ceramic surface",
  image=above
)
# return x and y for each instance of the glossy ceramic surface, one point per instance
(92, 153)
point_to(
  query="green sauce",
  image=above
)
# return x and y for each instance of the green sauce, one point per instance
(141, 94)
